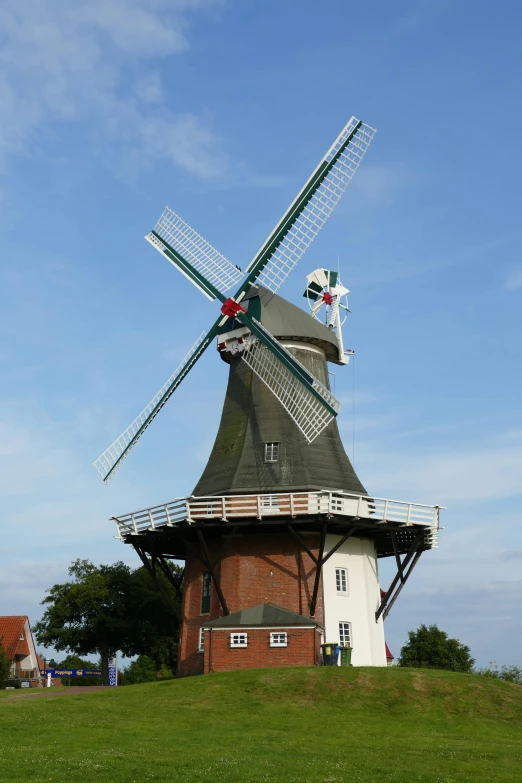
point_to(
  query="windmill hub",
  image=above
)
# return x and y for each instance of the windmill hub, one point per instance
(279, 537)
(231, 308)
(328, 298)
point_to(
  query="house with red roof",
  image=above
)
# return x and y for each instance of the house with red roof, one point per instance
(17, 640)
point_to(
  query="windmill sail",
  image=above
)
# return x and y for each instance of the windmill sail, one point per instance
(204, 266)
(112, 457)
(310, 404)
(312, 207)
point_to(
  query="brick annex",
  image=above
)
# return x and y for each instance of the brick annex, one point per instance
(261, 636)
(283, 574)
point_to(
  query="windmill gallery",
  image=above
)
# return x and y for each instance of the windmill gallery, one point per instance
(280, 538)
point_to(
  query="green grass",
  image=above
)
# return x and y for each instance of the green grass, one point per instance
(319, 724)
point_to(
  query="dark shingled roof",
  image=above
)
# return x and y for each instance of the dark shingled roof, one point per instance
(263, 616)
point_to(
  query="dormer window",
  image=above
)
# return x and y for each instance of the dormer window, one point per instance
(272, 451)
(21, 636)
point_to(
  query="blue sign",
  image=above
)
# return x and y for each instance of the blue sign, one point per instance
(71, 672)
(113, 671)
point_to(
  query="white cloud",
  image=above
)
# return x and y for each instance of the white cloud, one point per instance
(514, 280)
(379, 185)
(95, 62)
(455, 476)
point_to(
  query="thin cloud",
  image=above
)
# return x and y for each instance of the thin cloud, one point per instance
(466, 476)
(514, 280)
(95, 63)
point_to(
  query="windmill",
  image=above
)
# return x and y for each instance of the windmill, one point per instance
(279, 537)
(308, 402)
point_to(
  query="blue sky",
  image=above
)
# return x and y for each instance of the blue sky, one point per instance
(110, 109)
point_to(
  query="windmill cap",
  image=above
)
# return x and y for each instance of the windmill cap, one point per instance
(286, 321)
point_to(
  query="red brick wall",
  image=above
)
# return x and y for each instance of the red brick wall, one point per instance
(255, 569)
(302, 649)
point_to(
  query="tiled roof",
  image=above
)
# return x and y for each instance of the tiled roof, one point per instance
(263, 615)
(10, 629)
(388, 653)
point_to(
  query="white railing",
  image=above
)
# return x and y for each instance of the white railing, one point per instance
(297, 504)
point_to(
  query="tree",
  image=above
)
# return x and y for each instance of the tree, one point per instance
(5, 663)
(75, 662)
(143, 669)
(430, 648)
(159, 623)
(104, 609)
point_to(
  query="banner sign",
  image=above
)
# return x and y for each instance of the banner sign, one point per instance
(113, 671)
(71, 672)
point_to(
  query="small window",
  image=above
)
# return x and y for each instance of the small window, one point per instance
(213, 509)
(345, 634)
(201, 647)
(21, 636)
(341, 581)
(238, 640)
(337, 504)
(278, 639)
(205, 593)
(270, 502)
(272, 452)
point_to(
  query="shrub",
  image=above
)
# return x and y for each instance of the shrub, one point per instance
(430, 648)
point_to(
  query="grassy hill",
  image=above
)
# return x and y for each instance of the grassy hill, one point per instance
(319, 724)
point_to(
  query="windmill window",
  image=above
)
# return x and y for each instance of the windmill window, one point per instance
(201, 647)
(279, 639)
(272, 452)
(341, 581)
(239, 640)
(345, 634)
(205, 593)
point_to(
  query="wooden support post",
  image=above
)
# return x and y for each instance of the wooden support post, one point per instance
(410, 569)
(318, 569)
(213, 576)
(400, 574)
(222, 551)
(168, 598)
(176, 583)
(339, 544)
(300, 541)
(393, 537)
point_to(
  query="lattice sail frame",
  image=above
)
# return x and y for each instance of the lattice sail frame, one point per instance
(214, 275)
(206, 260)
(321, 205)
(117, 451)
(311, 412)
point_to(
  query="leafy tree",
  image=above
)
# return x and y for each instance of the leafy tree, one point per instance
(5, 664)
(104, 609)
(159, 626)
(75, 662)
(430, 648)
(143, 669)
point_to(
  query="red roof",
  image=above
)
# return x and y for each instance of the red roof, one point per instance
(389, 656)
(11, 629)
